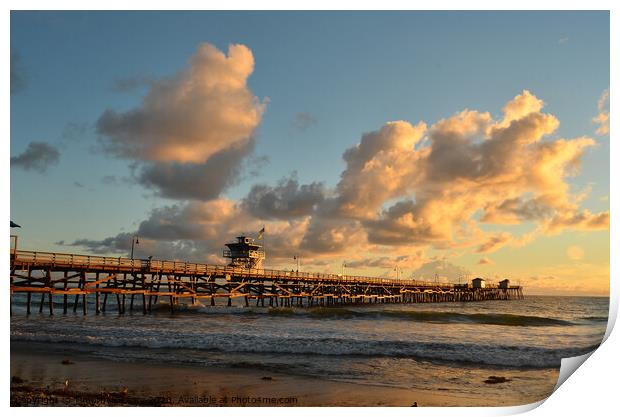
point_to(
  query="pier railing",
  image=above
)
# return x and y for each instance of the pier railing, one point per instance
(90, 262)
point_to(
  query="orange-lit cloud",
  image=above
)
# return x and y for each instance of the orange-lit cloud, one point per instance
(471, 164)
(191, 125)
(188, 118)
(521, 106)
(494, 242)
(407, 188)
(584, 220)
(602, 119)
(382, 166)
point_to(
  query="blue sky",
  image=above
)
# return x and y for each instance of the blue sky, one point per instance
(350, 72)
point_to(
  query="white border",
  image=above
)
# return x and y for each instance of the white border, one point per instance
(590, 392)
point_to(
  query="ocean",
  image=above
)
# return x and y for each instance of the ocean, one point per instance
(444, 347)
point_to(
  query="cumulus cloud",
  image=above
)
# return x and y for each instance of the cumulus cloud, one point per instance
(408, 222)
(521, 106)
(382, 166)
(405, 188)
(473, 164)
(38, 156)
(188, 126)
(202, 181)
(286, 200)
(196, 231)
(331, 236)
(189, 231)
(515, 210)
(602, 119)
(485, 261)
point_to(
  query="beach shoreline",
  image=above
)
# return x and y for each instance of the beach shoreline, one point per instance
(40, 378)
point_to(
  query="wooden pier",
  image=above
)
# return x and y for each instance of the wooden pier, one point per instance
(67, 282)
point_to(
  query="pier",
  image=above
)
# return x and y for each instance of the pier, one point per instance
(59, 283)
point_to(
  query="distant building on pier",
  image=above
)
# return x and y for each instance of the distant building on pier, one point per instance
(504, 284)
(478, 283)
(245, 253)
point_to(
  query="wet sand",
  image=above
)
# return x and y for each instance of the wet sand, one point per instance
(41, 379)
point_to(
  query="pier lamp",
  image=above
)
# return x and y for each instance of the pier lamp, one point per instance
(398, 271)
(134, 240)
(298, 259)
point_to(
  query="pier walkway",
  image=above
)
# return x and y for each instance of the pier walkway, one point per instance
(70, 281)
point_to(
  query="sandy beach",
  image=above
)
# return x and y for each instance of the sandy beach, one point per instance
(39, 377)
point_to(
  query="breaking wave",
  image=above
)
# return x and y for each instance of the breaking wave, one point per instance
(465, 353)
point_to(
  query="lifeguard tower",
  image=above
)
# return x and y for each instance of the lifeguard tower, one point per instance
(244, 253)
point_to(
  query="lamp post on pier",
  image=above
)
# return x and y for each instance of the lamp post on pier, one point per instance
(399, 271)
(134, 241)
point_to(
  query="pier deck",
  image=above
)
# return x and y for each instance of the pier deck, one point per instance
(144, 283)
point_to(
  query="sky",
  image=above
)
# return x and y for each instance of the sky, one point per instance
(456, 144)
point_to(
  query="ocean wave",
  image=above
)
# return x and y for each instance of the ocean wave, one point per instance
(463, 353)
(426, 316)
(599, 319)
(502, 319)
